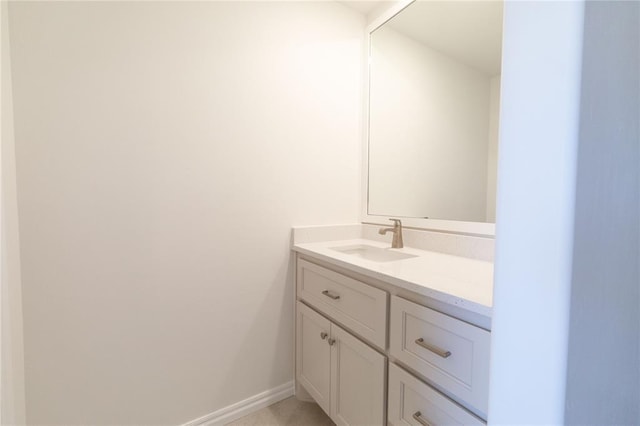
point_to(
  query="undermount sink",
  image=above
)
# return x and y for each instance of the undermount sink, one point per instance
(375, 254)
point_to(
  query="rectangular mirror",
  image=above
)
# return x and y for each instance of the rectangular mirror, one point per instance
(433, 113)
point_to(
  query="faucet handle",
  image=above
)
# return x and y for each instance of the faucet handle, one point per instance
(396, 222)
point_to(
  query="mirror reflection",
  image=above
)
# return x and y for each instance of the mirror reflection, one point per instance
(434, 90)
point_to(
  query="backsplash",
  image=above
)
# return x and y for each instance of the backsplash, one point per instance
(480, 248)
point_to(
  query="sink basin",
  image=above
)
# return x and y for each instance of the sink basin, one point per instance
(375, 254)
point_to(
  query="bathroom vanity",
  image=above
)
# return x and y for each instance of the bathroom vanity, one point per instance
(402, 335)
(392, 336)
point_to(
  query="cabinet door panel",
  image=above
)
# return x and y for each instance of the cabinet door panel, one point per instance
(358, 381)
(313, 355)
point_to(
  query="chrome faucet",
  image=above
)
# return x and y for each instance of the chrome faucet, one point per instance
(397, 233)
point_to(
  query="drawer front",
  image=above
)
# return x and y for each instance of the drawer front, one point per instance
(354, 304)
(452, 354)
(412, 402)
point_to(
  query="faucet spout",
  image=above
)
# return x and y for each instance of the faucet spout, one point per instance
(396, 242)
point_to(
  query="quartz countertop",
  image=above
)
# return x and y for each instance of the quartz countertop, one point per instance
(460, 281)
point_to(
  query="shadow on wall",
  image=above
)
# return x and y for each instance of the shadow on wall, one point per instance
(280, 335)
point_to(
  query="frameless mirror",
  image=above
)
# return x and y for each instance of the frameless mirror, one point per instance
(434, 90)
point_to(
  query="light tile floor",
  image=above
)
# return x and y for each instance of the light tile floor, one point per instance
(288, 412)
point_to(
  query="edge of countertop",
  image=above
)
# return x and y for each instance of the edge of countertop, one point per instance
(349, 234)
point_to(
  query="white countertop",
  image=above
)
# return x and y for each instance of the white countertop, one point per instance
(460, 281)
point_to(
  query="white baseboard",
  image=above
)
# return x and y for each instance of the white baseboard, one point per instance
(240, 409)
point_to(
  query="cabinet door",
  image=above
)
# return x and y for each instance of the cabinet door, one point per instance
(313, 355)
(358, 381)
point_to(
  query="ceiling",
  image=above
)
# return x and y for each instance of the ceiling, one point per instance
(365, 7)
(469, 31)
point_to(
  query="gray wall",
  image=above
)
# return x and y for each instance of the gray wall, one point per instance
(541, 69)
(566, 324)
(603, 374)
(13, 410)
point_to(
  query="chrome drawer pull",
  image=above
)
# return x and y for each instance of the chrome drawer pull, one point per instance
(418, 417)
(331, 295)
(436, 350)
(323, 335)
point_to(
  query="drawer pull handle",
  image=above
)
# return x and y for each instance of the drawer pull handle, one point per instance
(331, 342)
(323, 335)
(418, 417)
(331, 295)
(436, 350)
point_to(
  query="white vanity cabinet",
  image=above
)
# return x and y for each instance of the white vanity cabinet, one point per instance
(370, 353)
(345, 376)
(342, 373)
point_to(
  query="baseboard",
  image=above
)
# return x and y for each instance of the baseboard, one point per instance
(240, 409)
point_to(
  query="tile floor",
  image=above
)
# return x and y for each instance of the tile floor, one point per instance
(288, 412)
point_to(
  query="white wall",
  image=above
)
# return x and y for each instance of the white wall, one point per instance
(12, 386)
(164, 150)
(492, 148)
(603, 376)
(534, 228)
(429, 127)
